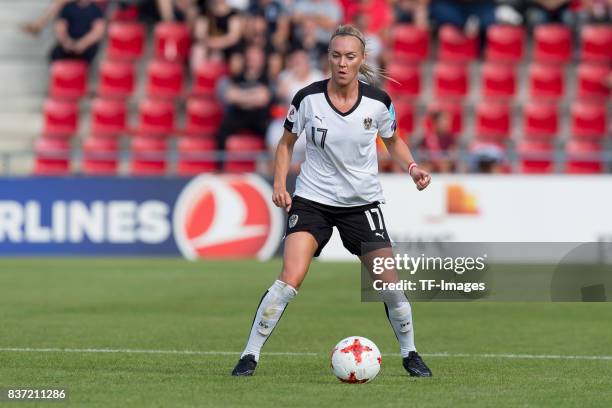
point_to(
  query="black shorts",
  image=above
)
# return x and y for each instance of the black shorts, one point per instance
(356, 225)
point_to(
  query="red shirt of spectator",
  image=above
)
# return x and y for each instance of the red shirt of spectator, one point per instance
(379, 12)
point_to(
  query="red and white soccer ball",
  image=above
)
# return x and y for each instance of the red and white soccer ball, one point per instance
(355, 360)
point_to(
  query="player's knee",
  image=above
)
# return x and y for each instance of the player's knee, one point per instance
(293, 275)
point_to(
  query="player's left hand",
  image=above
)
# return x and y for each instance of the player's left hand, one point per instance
(420, 177)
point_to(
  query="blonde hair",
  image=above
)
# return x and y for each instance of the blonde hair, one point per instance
(369, 73)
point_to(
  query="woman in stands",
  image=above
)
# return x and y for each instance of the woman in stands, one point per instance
(337, 186)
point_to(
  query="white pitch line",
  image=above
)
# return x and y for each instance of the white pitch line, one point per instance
(289, 353)
(137, 351)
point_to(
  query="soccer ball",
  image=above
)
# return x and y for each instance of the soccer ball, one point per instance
(355, 360)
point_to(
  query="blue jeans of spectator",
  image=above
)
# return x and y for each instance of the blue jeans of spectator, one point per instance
(88, 55)
(456, 13)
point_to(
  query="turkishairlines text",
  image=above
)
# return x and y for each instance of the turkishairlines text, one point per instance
(113, 222)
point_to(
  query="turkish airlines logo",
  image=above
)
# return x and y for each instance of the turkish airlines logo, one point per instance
(227, 217)
(459, 201)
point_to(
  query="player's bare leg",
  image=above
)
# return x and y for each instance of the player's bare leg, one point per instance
(300, 247)
(299, 250)
(399, 314)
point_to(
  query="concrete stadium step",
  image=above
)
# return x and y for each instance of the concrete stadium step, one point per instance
(22, 77)
(14, 42)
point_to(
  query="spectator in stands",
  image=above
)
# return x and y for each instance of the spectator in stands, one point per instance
(510, 12)
(325, 15)
(277, 21)
(79, 29)
(256, 33)
(34, 27)
(486, 158)
(411, 12)
(379, 15)
(247, 98)
(439, 143)
(548, 11)
(307, 40)
(171, 10)
(217, 32)
(472, 16)
(594, 11)
(299, 74)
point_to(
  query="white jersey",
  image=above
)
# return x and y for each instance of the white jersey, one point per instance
(341, 166)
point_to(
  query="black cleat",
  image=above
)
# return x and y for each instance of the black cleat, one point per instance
(415, 365)
(245, 367)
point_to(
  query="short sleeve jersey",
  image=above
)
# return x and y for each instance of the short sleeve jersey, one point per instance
(341, 166)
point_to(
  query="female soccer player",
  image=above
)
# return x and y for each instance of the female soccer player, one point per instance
(337, 186)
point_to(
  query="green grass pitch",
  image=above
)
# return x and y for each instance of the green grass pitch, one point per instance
(207, 307)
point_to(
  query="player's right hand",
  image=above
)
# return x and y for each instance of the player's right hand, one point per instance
(282, 199)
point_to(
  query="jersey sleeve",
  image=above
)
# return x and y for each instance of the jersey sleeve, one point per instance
(387, 123)
(295, 120)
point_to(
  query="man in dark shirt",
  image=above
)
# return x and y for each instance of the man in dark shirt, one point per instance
(79, 29)
(277, 19)
(247, 98)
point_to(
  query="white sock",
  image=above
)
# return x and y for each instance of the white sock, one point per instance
(399, 314)
(269, 312)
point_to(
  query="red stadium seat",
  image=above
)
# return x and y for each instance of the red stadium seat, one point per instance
(493, 120)
(540, 120)
(505, 43)
(148, 157)
(546, 81)
(243, 144)
(536, 157)
(455, 46)
(164, 79)
(454, 109)
(196, 155)
(100, 156)
(61, 118)
(127, 13)
(172, 41)
(116, 79)
(450, 80)
(126, 40)
(205, 77)
(596, 43)
(408, 79)
(592, 81)
(583, 157)
(404, 114)
(52, 157)
(410, 43)
(156, 118)
(108, 117)
(203, 117)
(553, 43)
(68, 79)
(588, 119)
(498, 81)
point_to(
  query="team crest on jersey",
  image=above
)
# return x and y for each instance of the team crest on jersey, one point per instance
(293, 220)
(367, 123)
